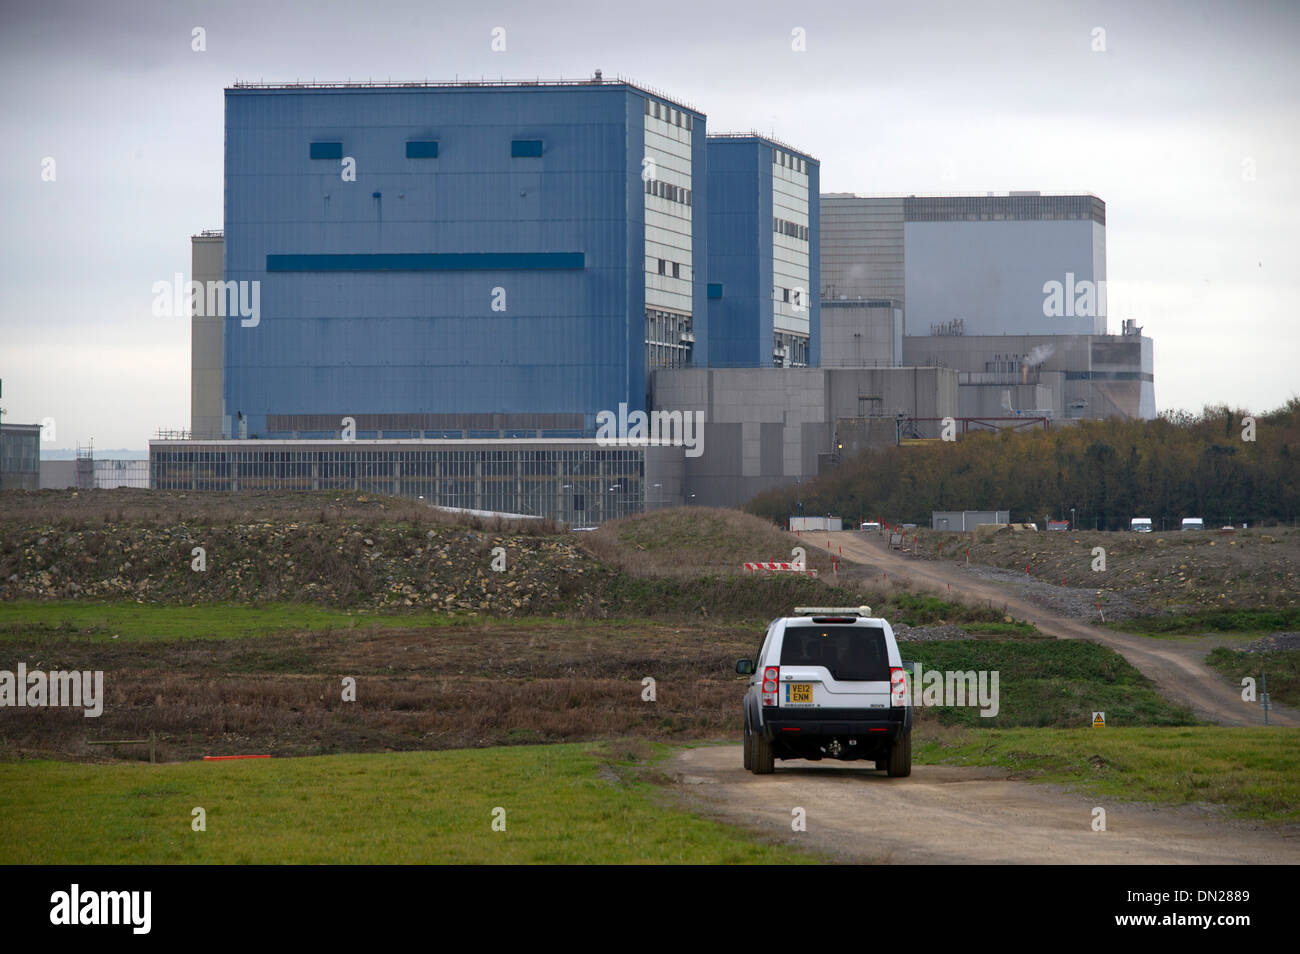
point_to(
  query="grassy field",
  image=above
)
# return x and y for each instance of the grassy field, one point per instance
(1282, 668)
(1252, 772)
(1251, 623)
(460, 671)
(1053, 683)
(103, 622)
(222, 680)
(563, 804)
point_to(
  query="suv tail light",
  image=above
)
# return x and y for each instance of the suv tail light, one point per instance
(897, 686)
(770, 676)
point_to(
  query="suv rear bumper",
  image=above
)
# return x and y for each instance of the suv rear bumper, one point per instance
(791, 725)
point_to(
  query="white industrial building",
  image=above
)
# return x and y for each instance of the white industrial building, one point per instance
(1008, 290)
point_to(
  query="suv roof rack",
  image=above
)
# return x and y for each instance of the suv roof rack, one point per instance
(832, 611)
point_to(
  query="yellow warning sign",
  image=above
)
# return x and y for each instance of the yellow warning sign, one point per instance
(1099, 720)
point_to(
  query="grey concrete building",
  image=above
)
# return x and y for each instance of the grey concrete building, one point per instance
(862, 247)
(1072, 376)
(862, 333)
(984, 261)
(206, 357)
(768, 428)
(966, 519)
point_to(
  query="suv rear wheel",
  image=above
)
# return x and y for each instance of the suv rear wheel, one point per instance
(899, 762)
(749, 749)
(762, 757)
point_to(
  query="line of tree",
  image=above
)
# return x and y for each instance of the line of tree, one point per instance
(1223, 465)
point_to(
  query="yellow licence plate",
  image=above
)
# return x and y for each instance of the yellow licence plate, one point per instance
(799, 692)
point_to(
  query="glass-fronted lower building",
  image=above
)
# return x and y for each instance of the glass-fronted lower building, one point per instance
(578, 482)
(20, 456)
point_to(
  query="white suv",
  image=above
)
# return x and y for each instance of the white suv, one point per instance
(828, 683)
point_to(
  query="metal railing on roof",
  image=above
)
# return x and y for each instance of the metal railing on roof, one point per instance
(755, 134)
(957, 195)
(481, 81)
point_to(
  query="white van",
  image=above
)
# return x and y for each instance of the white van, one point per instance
(1193, 523)
(1140, 524)
(871, 526)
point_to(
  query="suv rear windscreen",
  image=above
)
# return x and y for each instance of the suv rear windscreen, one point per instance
(851, 653)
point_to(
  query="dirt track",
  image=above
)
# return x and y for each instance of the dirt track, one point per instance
(1175, 666)
(945, 815)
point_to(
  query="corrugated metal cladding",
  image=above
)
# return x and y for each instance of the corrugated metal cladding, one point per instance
(740, 253)
(546, 317)
(742, 257)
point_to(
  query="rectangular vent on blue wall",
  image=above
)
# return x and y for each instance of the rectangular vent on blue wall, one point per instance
(525, 148)
(715, 289)
(327, 150)
(422, 150)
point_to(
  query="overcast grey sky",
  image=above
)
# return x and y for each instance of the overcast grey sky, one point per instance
(1186, 125)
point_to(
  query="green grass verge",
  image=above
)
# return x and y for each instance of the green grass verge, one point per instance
(1250, 772)
(920, 609)
(1048, 683)
(1282, 667)
(100, 622)
(1227, 621)
(564, 804)
(97, 622)
(1015, 628)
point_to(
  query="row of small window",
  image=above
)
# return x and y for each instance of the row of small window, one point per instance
(666, 190)
(672, 269)
(428, 149)
(793, 296)
(668, 328)
(796, 163)
(367, 456)
(789, 351)
(659, 356)
(675, 117)
(669, 339)
(792, 229)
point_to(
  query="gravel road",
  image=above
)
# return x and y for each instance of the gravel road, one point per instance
(950, 815)
(1175, 665)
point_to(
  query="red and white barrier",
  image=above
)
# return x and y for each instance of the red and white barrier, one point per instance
(780, 568)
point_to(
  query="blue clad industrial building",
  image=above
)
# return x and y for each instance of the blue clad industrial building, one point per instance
(463, 260)
(450, 282)
(764, 257)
